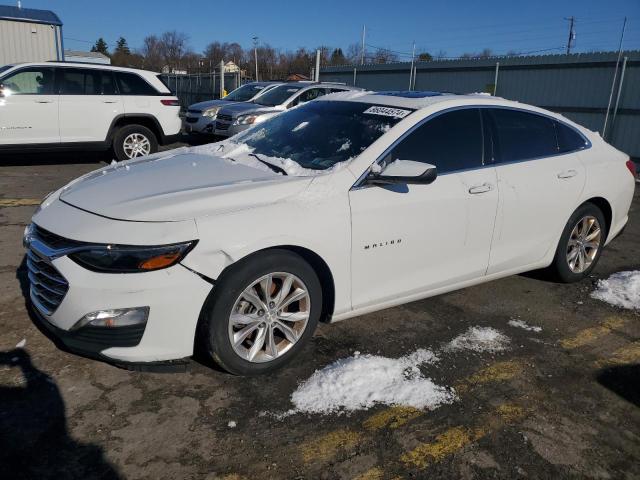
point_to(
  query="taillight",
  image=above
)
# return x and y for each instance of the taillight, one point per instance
(169, 102)
(631, 165)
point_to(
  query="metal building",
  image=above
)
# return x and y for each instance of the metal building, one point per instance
(588, 88)
(29, 35)
(86, 57)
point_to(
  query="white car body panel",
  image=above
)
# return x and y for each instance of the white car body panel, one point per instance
(87, 118)
(234, 210)
(29, 119)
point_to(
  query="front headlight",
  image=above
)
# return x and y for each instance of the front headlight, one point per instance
(211, 112)
(130, 259)
(247, 119)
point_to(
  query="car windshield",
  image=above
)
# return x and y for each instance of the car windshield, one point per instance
(5, 68)
(320, 134)
(244, 93)
(277, 95)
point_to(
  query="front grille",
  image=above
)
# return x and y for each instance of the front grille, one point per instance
(191, 119)
(222, 126)
(226, 118)
(48, 286)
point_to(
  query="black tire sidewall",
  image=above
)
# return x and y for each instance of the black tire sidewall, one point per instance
(560, 265)
(123, 132)
(213, 330)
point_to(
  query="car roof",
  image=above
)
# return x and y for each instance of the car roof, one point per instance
(84, 65)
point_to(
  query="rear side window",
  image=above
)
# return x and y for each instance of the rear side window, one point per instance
(78, 81)
(132, 84)
(30, 81)
(522, 135)
(568, 139)
(451, 141)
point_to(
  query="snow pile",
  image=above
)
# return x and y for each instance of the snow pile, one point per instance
(621, 289)
(362, 381)
(479, 339)
(517, 323)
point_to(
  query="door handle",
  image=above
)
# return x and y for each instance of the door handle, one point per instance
(485, 187)
(109, 101)
(567, 174)
(43, 101)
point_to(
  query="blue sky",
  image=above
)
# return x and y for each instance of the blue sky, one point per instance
(450, 26)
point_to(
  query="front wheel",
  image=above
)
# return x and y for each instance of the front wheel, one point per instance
(261, 312)
(580, 245)
(133, 141)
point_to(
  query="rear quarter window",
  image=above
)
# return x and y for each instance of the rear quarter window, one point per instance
(569, 140)
(132, 84)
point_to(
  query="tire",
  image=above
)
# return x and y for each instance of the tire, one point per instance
(228, 296)
(148, 142)
(562, 268)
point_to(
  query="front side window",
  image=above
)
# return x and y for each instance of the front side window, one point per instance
(29, 81)
(132, 84)
(277, 95)
(451, 141)
(522, 135)
(309, 95)
(318, 135)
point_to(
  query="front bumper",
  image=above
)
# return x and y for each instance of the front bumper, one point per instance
(224, 129)
(174, 296)
(199, 124)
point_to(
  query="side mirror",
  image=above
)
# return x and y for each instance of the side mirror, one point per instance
(404, 172)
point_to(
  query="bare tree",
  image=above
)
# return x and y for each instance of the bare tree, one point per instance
(173, 46)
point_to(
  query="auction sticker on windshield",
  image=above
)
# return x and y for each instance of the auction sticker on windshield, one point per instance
(388, 111)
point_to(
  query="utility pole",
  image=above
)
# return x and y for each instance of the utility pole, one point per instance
(255, 54)
(572, 34)
(317, 70)
(364, 33)
(413, 55)
(615, 76)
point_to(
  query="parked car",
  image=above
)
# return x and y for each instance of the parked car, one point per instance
(201, 116)
(240, 116)
(342, 206)
(55, 105)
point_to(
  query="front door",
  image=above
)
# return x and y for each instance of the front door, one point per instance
(29, 107)
(408, 239)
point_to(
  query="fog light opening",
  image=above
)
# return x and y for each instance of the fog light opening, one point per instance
(114, 318)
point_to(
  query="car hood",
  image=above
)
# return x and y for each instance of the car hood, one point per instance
(177, 187)
(202, 106)
(247, 107)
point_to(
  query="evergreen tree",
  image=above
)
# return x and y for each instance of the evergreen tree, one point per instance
(337, 57)
(101, 46)
(122, 47)
(425, 57)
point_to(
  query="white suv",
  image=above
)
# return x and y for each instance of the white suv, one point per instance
(62, 105)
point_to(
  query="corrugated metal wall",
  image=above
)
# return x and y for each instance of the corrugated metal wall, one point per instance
(28, 42)
(578, 86)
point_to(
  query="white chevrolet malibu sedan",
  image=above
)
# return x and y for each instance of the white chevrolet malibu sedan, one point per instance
(349, 204)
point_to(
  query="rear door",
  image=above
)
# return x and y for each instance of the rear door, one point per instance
(29, 107)
(89, 102)
(539, 185)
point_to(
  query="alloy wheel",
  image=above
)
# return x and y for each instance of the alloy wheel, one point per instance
(136, 145)
(584, 243)
(269, 317)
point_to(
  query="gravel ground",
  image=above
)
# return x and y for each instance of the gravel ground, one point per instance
(559, 403)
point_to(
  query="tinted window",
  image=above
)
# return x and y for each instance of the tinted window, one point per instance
(451, 141)
(277, 95)
(568, 139)
(310, 94)
(30, 81)
(522, 135)
(317, 135)
(132, 84)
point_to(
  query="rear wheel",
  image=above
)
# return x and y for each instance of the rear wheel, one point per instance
(581, 244)
(133, 141)
(261, 312)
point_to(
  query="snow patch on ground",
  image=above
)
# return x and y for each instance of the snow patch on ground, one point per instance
(363, 381)
(479, 339)
(517, 323)
(22, 343)
(621, 289)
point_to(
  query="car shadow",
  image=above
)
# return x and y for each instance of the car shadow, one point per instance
(624, 380)
(54, 158)
(35, 441)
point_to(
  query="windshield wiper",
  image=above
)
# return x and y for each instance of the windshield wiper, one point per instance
(273, 167)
